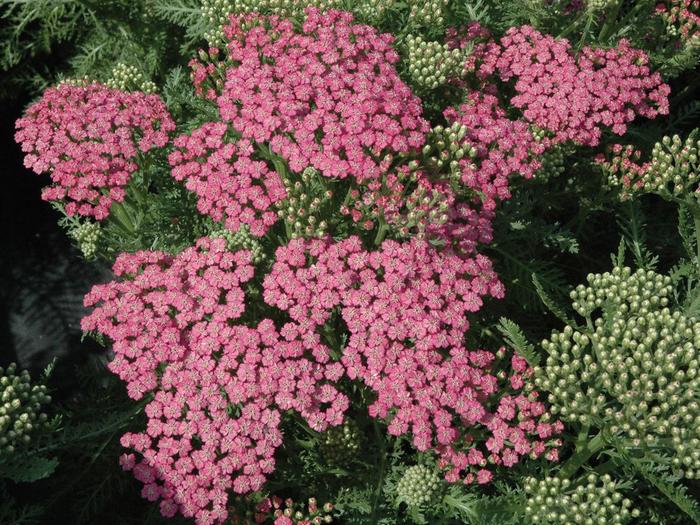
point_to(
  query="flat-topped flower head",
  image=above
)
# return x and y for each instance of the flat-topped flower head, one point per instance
(218, 388)
(88, 139)
(632, 370)
(326, 95)
(405, 309)
(575, 96)
(155, 313)
(214, 422)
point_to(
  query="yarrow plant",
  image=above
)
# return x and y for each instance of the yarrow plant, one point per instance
(409, 292)
(306, 270)
(21, 411)
(217, 387)
(634, 368)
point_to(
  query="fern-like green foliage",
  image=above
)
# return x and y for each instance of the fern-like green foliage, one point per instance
(666, 483)
(81, 38)
(516, 339)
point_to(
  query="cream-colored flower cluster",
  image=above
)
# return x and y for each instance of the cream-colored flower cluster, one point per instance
(21, 404)
(632, 367)
(594, 500)
(432, 64)
(419, 485)
(129, 78)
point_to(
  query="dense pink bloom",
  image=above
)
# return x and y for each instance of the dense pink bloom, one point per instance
(88, 139)
(326, 96)
(214, 421)
(405, 309)
(575, 96)
(232, 185)
(503, 147)
(218, 388)
(309, 292)
(156, 314)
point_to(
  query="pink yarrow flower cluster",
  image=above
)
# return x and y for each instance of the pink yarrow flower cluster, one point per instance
(88, 139)
(218, 387)
(326, 96)
(155, 314)
(684, 15)
(232, 185)
(575, 96)
(503, 147)
(405, 308)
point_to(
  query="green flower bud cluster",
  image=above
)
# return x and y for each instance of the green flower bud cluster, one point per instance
(20, 408)
(432, 64)
(341, 444)
(87, 234)
(672, 171)
(306, 203)
(539, 134)
(75, 81)
(594, 500)
(129, 78)
(425, 208)
(444, 149)
(372, 11)
(552, 163)
(597, 6)
(419, 485)
(309, 514)
(428, 13)
(242, 240)
(633, 369)
(217, 12)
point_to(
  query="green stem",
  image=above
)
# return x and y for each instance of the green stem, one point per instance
(585, 449)
(381, 232)
(382, 473)
(696, 223)
(609, 21)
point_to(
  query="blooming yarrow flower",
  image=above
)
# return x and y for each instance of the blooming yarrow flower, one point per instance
(326, 95)
(231, 184)
(575, 96)
(310, 291)
(499, 147)
(156, 314)
(224, 404)
(88, 138)
(218, 389)
(405, 309)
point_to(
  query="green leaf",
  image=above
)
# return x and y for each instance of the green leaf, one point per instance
(632, 223)
(551, 305)
(28, 469)
(675, 493)
(515, 338)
